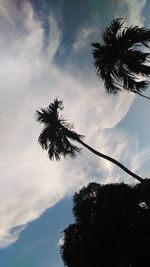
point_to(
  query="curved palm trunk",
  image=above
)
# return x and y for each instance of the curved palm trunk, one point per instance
(138, 93)
(112, 160)
(141, 95)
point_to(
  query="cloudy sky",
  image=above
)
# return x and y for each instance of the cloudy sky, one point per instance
(45, 48)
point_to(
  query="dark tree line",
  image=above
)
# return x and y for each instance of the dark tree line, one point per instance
(112, 227)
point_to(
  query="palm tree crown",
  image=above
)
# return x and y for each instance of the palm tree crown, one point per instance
(118, 59)
(57, 134)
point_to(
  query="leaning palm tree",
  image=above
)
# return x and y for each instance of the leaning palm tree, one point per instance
(57, 137)
(120, 60)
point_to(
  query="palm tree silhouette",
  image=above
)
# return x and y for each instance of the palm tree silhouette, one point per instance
(57, 137)
(118, 59)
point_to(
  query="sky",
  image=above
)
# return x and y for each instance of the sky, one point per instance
(45, 50)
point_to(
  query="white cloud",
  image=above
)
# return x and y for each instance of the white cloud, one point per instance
(55, 38)
(10, 236)
(134, 11)
(60, 241)
(83, 37)
(30, 183)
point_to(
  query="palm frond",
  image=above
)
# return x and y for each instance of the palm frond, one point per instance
(42, 116)
(110, 34)
(134, 35)
(54, 152)
(44, 138)
(55, 106)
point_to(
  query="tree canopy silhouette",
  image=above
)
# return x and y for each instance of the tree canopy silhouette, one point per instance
(111, 228)
(57, 134)
(120, 60)
(57, 137)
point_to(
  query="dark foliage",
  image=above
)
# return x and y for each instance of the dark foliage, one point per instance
(57, 135)
(119, 58)
(111, 227)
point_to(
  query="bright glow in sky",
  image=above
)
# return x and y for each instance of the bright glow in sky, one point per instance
(46, 53)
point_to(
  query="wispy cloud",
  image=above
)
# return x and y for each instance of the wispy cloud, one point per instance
(132, 9)
(83, 37)
(10, 236)
(29, 79)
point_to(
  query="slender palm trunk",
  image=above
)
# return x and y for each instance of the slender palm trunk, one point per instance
(112, 160)
(141, 95)
(138, 93)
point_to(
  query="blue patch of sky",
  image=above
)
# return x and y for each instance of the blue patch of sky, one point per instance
(71, 17)
(38, 243)
(75, 16)
(145, 12)
(42, 11)
(136, 122)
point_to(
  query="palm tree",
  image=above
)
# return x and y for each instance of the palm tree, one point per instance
(57, 137)
(118, 59)
(57, 134)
